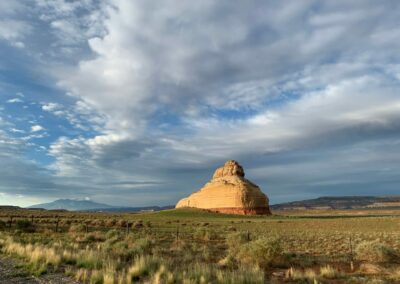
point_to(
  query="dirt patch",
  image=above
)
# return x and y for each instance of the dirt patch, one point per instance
(13, 272)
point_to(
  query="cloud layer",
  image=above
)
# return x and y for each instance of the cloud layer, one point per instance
(145, 99)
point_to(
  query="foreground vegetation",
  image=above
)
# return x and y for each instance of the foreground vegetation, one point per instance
(193, 246)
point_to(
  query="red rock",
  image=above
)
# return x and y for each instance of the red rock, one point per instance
(229, 192)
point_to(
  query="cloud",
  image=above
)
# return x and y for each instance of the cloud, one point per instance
(37, 128)
(15, 130)
(50, 107)
(12, 28)
(303, 94)
(184, 58)
(15, 100)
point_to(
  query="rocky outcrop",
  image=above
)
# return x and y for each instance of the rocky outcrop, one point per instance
(229, 192)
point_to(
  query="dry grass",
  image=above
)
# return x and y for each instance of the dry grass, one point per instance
(188, 246)
(329, 272)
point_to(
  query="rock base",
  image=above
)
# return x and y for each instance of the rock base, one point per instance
(242, 211)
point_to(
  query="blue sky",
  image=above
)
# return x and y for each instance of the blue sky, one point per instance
(137, 102)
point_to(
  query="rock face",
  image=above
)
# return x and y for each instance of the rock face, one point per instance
(229, 192)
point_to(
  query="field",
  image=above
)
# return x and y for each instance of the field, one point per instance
(194, 246)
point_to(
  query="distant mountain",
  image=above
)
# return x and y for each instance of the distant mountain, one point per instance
(72, 205)
(87, 205)
(341, 202)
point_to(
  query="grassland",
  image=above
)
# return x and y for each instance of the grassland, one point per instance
(194, 246)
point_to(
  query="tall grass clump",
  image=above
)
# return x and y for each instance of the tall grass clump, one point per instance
(38, 256)
(253, 275)
(143, 266)
(329, 272)
(374, 251)
(89, 259)
(307, 276)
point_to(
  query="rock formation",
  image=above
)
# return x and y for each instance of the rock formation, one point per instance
(229, 192)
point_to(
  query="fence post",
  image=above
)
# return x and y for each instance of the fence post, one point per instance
(57, 221)
(351, 256)
(248, 236)
(177, 232)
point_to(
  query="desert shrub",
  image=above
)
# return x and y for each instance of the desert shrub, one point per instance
(2, 225)
(79, 228)
(235, 241)
(94, 237)
(143, 266)
(122, 223)
(112, 234)
(96, 277)
(25, 226)
(138, 224)
(263, 252)
(374, 251)
(143, 245)
(111, 223)
(205, 234)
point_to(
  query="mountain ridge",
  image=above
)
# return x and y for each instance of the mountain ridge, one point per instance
(88, 205)
(70, 204)
(341, 202)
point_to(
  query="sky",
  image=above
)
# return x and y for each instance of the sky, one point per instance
(137, 102)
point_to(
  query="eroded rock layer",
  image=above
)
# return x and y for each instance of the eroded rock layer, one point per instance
(229, 192)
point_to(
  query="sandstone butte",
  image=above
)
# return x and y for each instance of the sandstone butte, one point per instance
(229, 192)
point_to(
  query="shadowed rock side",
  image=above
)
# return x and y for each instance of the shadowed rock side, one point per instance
(229, 192)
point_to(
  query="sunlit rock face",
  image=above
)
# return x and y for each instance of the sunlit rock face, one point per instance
(229, 192)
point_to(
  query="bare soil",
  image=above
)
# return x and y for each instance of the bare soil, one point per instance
(13, 272)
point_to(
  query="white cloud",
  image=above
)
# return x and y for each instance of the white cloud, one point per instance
(50, 107)
(15, 130)
(37, 128)
(12, 28)
(15, 100)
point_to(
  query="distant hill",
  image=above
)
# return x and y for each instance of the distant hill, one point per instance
(341, 202)
(87, 205)
(72, 205)
(131, 209)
